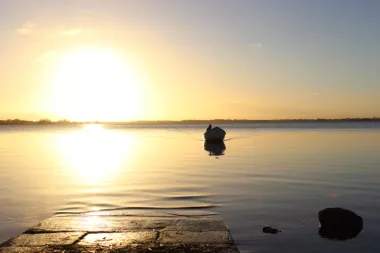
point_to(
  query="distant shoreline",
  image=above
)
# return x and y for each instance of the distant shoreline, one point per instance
(183, 122)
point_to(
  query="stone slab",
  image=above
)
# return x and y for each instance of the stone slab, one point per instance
(115, 234)
(119, 239)
(187, 237)
(21, 249)
(46, 239)
(182, 248)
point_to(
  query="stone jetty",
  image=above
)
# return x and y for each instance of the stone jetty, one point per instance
(125, 231)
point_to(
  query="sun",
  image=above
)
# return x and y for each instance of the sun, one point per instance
(96, 85)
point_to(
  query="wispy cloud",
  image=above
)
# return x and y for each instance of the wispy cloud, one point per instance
(27, 28)
(48, 56)
(256, 45)
(70, 32)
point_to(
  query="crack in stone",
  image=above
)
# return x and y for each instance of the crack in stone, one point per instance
(79, 239)
(157, 236)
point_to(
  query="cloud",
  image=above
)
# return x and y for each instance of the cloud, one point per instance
(256, 45)
(48, 56)
(70, 32)
(27, 28)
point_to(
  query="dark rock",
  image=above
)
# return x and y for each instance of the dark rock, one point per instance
(339, 224)
(270, 230)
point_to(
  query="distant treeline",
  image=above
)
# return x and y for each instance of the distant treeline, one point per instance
(283, 120)
(189, 121)
(39, 122)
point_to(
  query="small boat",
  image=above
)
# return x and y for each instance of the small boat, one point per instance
(215, 134)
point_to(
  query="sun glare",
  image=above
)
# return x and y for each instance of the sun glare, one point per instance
(96, 85)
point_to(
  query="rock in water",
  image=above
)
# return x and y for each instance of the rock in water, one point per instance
(270, 230)
(339, 224)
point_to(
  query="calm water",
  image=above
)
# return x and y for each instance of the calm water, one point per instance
(269, 174)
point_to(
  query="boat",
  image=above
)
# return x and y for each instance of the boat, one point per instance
(215, 134)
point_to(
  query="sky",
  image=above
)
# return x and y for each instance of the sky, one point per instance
(120, 60)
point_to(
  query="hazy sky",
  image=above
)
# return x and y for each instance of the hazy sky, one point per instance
(127, 60)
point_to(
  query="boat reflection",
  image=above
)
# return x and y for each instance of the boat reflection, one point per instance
(215, 149)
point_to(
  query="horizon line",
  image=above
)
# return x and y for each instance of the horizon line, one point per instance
(65, 121)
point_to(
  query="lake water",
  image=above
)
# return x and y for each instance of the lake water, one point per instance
(273, 174)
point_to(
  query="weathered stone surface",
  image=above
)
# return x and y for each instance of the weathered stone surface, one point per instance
(119, 239)
(115, 234)
(45, 239)
(21, 249)
(121, 224)
(211, 237)
(196, 225)
(178, 248)
(194, 248)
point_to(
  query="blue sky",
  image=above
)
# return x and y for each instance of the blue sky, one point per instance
(264, 59)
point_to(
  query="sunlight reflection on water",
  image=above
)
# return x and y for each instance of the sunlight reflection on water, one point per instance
(95, 154)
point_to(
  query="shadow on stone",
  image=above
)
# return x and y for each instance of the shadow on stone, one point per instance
(215, 149)
(339, 224)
